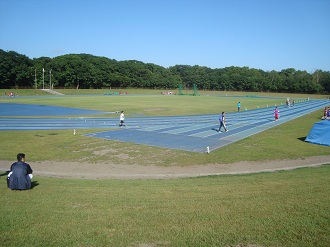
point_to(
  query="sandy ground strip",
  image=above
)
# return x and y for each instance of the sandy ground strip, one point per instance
(117, 171)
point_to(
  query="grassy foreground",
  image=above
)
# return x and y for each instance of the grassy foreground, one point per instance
(290, 208)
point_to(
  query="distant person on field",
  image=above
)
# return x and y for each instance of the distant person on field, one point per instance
(122, 119)
(239, 106)
(20, 175)
(222, 120)
(325, 113)
(288, 102)
(276, 113)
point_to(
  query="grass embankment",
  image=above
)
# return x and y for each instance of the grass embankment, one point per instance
(290, 208)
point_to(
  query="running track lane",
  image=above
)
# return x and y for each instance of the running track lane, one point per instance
(189, 133)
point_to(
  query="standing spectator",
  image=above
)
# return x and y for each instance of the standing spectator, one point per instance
(325, 113)
(276, 113)
(122, 119)
(20, 175)
(222, 120)
(239, 106)
(288, 102)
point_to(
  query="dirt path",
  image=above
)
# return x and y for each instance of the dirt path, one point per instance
(115, 171)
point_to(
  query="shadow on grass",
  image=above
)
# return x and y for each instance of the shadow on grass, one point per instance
(2, 174)
(34, 184)
(302, 138)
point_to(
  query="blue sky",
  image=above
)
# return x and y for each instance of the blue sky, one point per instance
(262, 34)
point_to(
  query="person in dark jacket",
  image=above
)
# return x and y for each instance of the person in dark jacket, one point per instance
(222, 120)
(20, 175)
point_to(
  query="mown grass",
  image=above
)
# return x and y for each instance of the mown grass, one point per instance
(290, 208)
(151, 105)
(285, 141)
(129, 91)
(282, 142)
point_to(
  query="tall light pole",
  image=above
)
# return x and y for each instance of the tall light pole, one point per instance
(43, 78)
(50, 79)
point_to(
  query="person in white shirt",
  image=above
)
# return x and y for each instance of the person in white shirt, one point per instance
(122, 118)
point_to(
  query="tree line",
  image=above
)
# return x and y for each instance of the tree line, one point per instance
(88, 71)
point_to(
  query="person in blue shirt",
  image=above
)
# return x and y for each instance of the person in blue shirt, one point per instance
(239, 106)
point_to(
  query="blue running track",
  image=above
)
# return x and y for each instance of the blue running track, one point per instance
(189, 133)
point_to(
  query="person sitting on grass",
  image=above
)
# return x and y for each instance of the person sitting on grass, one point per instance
(20, 175)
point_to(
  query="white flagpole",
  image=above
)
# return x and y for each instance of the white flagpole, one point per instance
(43, 78)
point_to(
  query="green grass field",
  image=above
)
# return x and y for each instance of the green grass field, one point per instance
(289, 208)
(152, 103)
(282, 142)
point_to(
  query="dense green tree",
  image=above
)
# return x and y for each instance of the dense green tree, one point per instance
(16, 70)
(325, 81)
(321, 81)
(88, 71)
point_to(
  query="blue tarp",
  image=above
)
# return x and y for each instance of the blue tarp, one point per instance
(320, 133)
